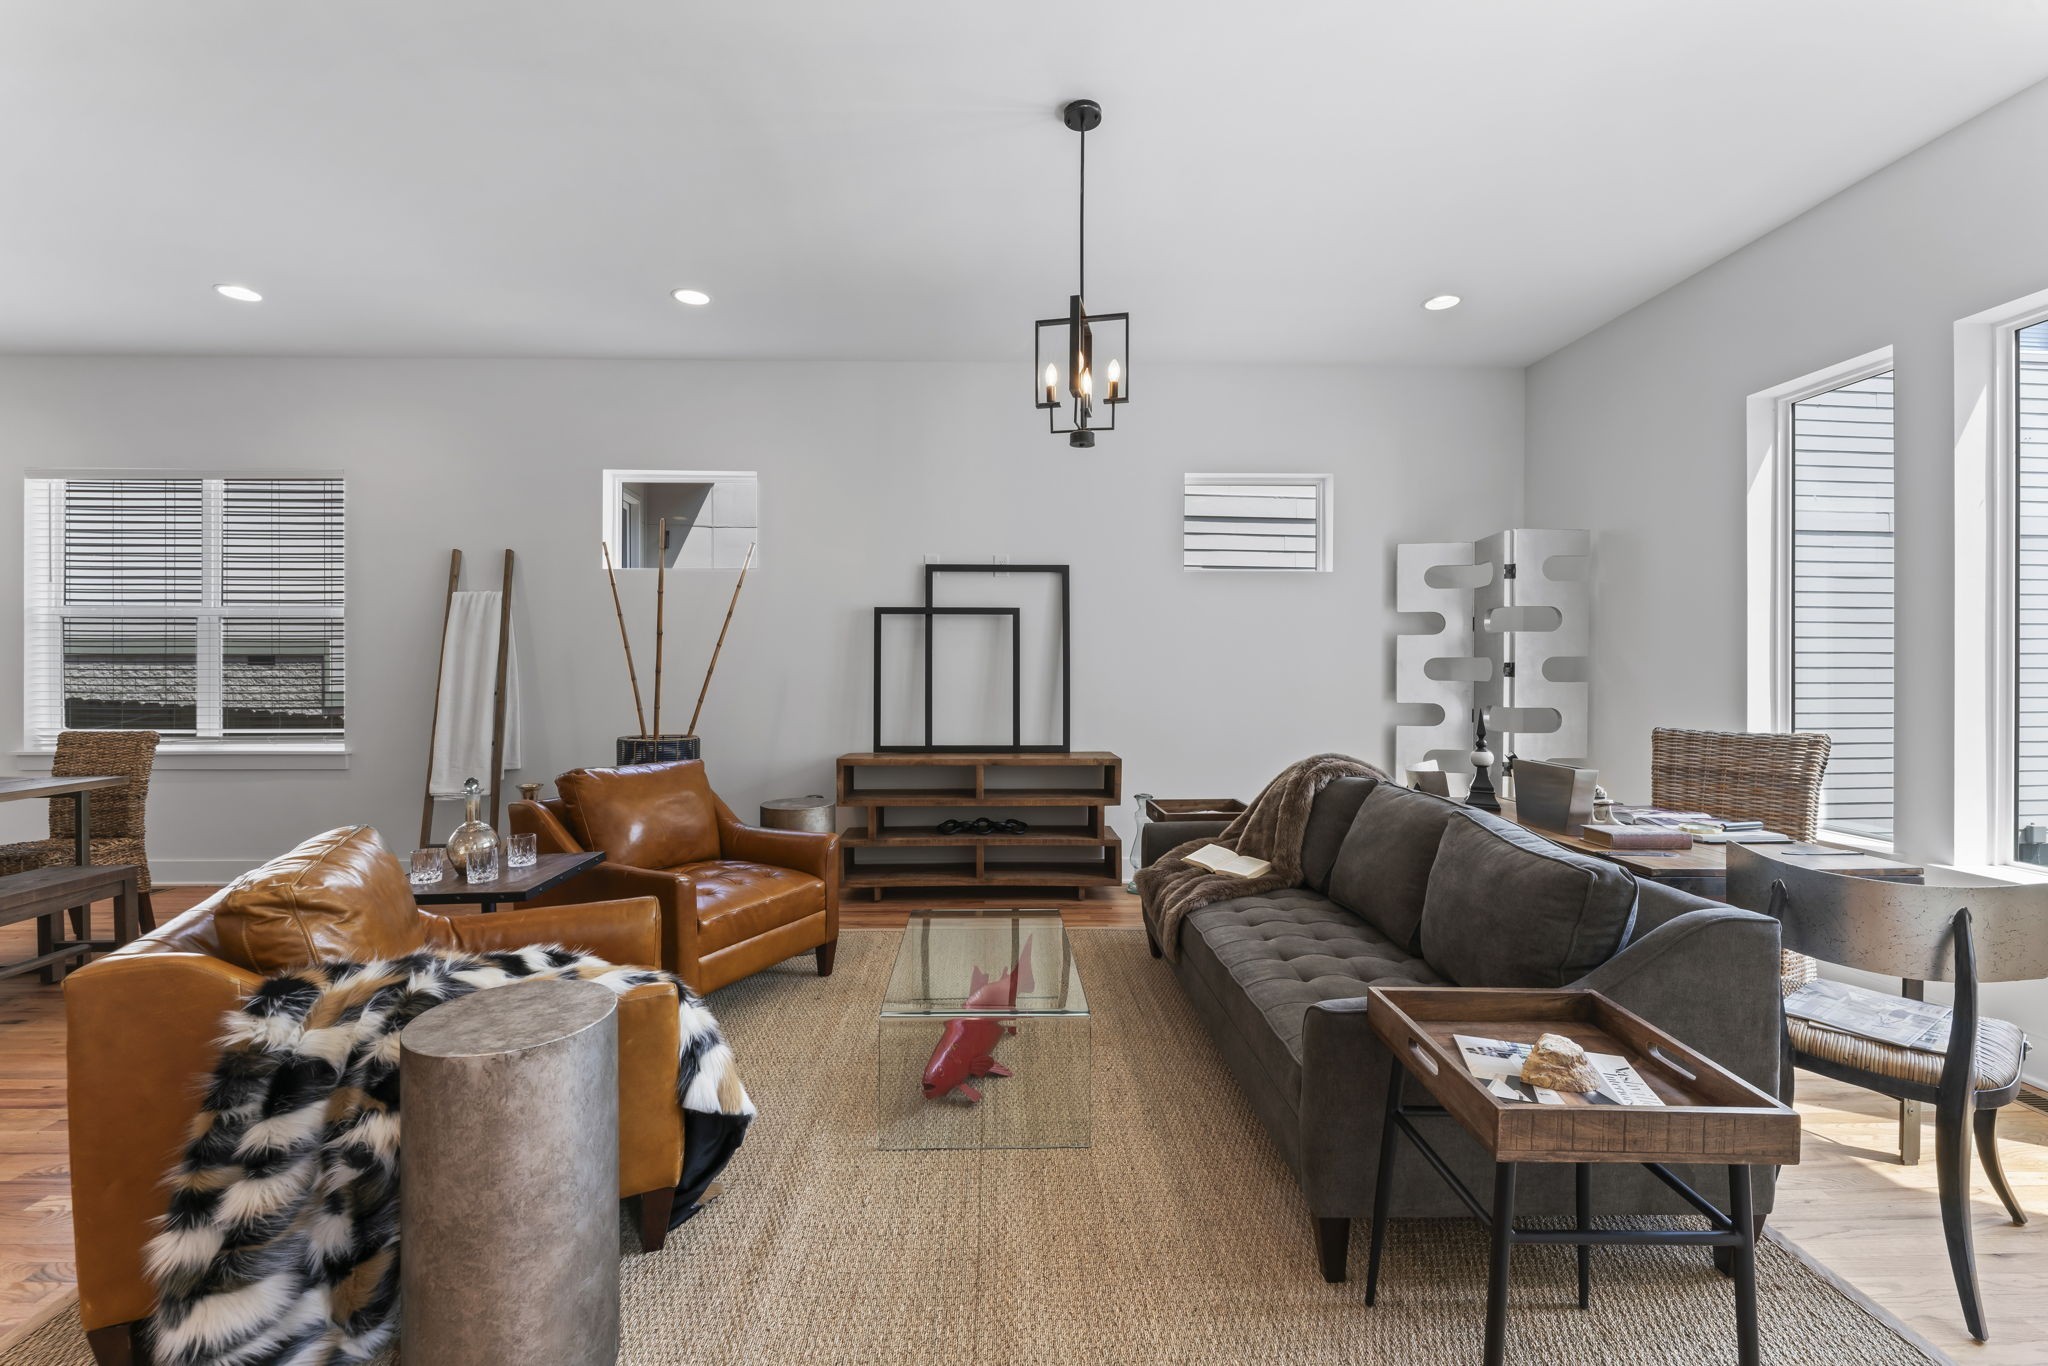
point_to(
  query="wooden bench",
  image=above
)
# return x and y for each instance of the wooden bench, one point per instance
(45, 894)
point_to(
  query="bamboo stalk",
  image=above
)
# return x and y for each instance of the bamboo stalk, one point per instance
(639, 713)
(712, 667)
(660, 606)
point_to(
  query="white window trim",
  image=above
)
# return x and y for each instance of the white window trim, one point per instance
(1985, 559)
(1325, 486)
(305, 751)
(1768, 647)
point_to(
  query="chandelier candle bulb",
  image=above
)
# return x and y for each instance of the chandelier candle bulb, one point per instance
(1116, 372)
(1051, 387)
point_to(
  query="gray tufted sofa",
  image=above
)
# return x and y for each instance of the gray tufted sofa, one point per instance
(1404, 888)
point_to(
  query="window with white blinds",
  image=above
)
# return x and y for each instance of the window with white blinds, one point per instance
(1256, 521)
(2030, 595)
(1841, 595)
(209, 609)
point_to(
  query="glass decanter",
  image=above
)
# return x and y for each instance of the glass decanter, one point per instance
(472, 836)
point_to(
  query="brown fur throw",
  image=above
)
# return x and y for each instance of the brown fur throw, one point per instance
(1270, 828)
(281, 1246)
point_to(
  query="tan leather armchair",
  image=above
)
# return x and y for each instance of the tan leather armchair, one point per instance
(734, 898)
(141, 1025)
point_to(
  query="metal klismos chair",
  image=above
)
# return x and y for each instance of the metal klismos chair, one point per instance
(1964, 935)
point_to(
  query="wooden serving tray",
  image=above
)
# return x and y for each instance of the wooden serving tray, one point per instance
(1709, 1115)
(1192, 808)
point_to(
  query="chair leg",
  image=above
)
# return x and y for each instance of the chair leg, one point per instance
(827, 953)
(654, 1208)
(1986, 1124)
(148, 912)
(1952, 1165)
(46, 942)
(81, 921)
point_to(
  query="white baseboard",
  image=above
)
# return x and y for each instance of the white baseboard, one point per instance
(202, 872)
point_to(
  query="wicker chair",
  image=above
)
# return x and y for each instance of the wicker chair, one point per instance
(1746, 776)
(115, 813)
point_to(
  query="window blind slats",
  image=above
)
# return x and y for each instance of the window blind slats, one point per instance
(1232, 523)
(208, 608)
(2030, 627)
(1842, 596)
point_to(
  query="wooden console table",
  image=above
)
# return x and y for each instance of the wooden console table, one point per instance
(1067, 848)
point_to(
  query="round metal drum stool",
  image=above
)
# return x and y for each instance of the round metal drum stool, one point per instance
(816, 813)
(509, 1179)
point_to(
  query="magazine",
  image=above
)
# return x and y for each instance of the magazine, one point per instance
(1498, 1063)
(1920, 1025)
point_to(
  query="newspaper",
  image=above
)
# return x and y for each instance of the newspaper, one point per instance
(1498, 1063)
(1919, 1025)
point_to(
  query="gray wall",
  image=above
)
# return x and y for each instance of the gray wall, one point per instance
(1638, 432)
(1205, 683)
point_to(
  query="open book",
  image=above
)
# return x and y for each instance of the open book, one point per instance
(1217, 859)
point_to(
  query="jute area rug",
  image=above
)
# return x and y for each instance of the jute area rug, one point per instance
(1178, 1237)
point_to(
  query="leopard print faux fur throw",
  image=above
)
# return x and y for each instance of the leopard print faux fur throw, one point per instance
(281, 1245)
(1271, 828)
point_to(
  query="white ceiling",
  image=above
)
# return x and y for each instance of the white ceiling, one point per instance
(871, 178)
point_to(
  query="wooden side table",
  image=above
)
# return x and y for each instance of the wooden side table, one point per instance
(511, 884)
(1709, 1115)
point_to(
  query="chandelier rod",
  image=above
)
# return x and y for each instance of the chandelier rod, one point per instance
(1084, 214)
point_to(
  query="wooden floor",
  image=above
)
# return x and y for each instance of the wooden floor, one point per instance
(1850, 1205)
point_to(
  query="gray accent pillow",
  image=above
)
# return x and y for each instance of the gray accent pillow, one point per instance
(1507, 908)
(1382, 867)
(1329, 820)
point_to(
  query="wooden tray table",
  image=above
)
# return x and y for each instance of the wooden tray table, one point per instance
(1710, 1115)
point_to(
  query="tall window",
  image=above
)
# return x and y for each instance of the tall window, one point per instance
(2030, 595)
(1841, 595)
(208, 609)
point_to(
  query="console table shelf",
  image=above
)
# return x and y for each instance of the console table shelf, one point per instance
(1068, 797)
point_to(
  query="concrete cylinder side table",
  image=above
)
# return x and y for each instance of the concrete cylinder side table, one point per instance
(816, 813)
(509, 1179)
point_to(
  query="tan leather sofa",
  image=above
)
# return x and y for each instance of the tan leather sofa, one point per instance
(141, 1025)
(734, 898)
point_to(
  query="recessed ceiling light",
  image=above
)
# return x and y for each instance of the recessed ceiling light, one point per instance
(241, 294)
(1441, 302)
(696, 298)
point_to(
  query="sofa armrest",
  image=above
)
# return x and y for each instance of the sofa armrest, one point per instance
(626, 932)
(1158, 837)
(807, 851)
(141, 1041)
(1710, 978)
(550, 835)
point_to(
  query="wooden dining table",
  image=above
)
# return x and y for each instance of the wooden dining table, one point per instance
(80, 791)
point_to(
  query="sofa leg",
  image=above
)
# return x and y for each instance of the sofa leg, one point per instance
(115, 1345)
(654, 1208)
(1724, 1257)
(826, 954)
(1333, 1247)
(1152, 944)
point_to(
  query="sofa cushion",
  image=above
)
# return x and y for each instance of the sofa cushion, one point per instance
(1329, 820)
(643, 815)
(1267, 959)
(337, 895)
(1507, 908)
(1382, 867)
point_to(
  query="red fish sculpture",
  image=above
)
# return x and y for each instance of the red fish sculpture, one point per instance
(968, 1047)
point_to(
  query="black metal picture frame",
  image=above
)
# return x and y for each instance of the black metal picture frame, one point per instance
(1065, 576)
(928, 612)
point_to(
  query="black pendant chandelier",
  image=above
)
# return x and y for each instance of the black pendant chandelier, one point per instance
(1079, 324)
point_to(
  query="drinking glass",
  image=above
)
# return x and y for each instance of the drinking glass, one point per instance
(523, 852)
(429, 866)
(483, 865)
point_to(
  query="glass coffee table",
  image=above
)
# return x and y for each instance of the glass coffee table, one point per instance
(983, 1036)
